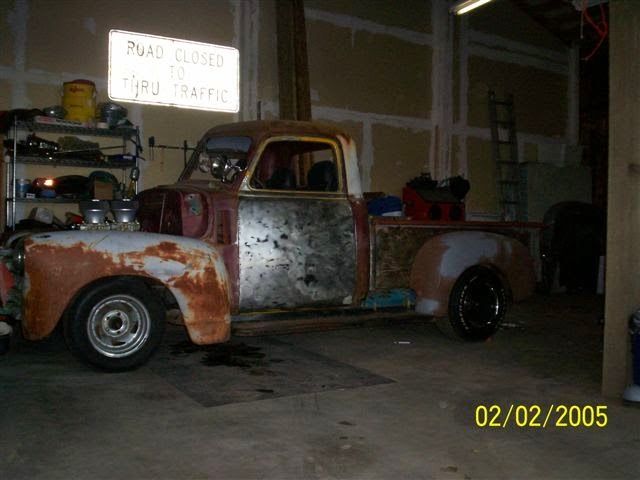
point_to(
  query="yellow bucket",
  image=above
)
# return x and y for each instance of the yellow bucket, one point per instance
(79, 100)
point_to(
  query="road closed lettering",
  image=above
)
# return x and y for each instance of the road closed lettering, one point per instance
(166, 71)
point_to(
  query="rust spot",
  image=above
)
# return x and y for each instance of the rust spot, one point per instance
(208, 302)
(66, 268)
(169, 251)
(162, 249)
(361, 219)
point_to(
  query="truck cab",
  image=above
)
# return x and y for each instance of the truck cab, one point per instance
(283, 203)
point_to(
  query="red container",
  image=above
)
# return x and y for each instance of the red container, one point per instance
(416, 207)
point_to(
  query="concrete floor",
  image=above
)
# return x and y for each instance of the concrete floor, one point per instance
(61, 420)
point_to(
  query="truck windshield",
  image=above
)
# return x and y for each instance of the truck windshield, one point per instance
(219, 158)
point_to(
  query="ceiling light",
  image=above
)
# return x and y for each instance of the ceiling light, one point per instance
(464, 6)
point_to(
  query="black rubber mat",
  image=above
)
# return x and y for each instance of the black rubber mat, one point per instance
(249, 369)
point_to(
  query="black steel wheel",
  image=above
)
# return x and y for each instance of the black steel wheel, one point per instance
(477, 306)
(115, 325)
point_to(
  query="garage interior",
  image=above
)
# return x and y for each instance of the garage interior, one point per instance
(382, 396)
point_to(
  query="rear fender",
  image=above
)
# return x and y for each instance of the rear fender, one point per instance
(59, 265)
(442, 259)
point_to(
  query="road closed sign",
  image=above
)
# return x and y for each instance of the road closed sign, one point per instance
(178, 73)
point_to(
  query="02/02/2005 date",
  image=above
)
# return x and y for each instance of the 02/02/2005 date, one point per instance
(536, 416)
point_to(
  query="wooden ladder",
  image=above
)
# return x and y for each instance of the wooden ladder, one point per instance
(505, 156)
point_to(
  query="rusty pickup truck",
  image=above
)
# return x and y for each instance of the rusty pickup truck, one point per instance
(267, 216)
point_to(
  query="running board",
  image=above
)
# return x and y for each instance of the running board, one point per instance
(292, 324)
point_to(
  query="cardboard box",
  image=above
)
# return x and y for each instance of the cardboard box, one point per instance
(102, 190)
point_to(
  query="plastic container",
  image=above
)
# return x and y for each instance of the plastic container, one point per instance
(111, 113)
(389, 206)
(79, 100)
(632, 392)
(22, 187)
(5, 337)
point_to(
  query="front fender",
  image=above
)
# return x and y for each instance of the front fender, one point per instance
(442, 259)
(59, 265)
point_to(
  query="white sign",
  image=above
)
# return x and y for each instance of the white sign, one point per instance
(178, 73)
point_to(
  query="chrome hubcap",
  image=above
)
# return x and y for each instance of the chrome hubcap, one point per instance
(481, 303)
(118, 326)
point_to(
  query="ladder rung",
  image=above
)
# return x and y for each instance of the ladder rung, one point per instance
(509, 182)
(505, 142)
(502, 102)
(505, 162)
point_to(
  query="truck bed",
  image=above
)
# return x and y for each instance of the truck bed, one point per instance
(395, 241)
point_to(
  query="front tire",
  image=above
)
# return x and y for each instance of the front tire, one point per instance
(477, 306)
(115, 325)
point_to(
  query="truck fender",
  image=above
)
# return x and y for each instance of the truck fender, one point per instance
(59, 265)
(443, 258)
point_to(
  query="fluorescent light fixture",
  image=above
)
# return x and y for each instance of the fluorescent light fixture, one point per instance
(464, 6)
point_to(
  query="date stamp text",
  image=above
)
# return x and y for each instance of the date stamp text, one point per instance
(537, 416)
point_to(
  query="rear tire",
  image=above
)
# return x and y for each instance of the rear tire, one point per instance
(477, 306)
(115, 325)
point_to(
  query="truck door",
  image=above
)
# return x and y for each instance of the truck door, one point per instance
(296, 233)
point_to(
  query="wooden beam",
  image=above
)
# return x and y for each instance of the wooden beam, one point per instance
(303, 94)
(286, 84)
(293, 69)
(623, 214)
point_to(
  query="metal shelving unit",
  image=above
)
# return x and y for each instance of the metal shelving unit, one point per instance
(54, 126)
(72, 162)
(47, 200)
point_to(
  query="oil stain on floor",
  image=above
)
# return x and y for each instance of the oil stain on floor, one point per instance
(264, 368)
